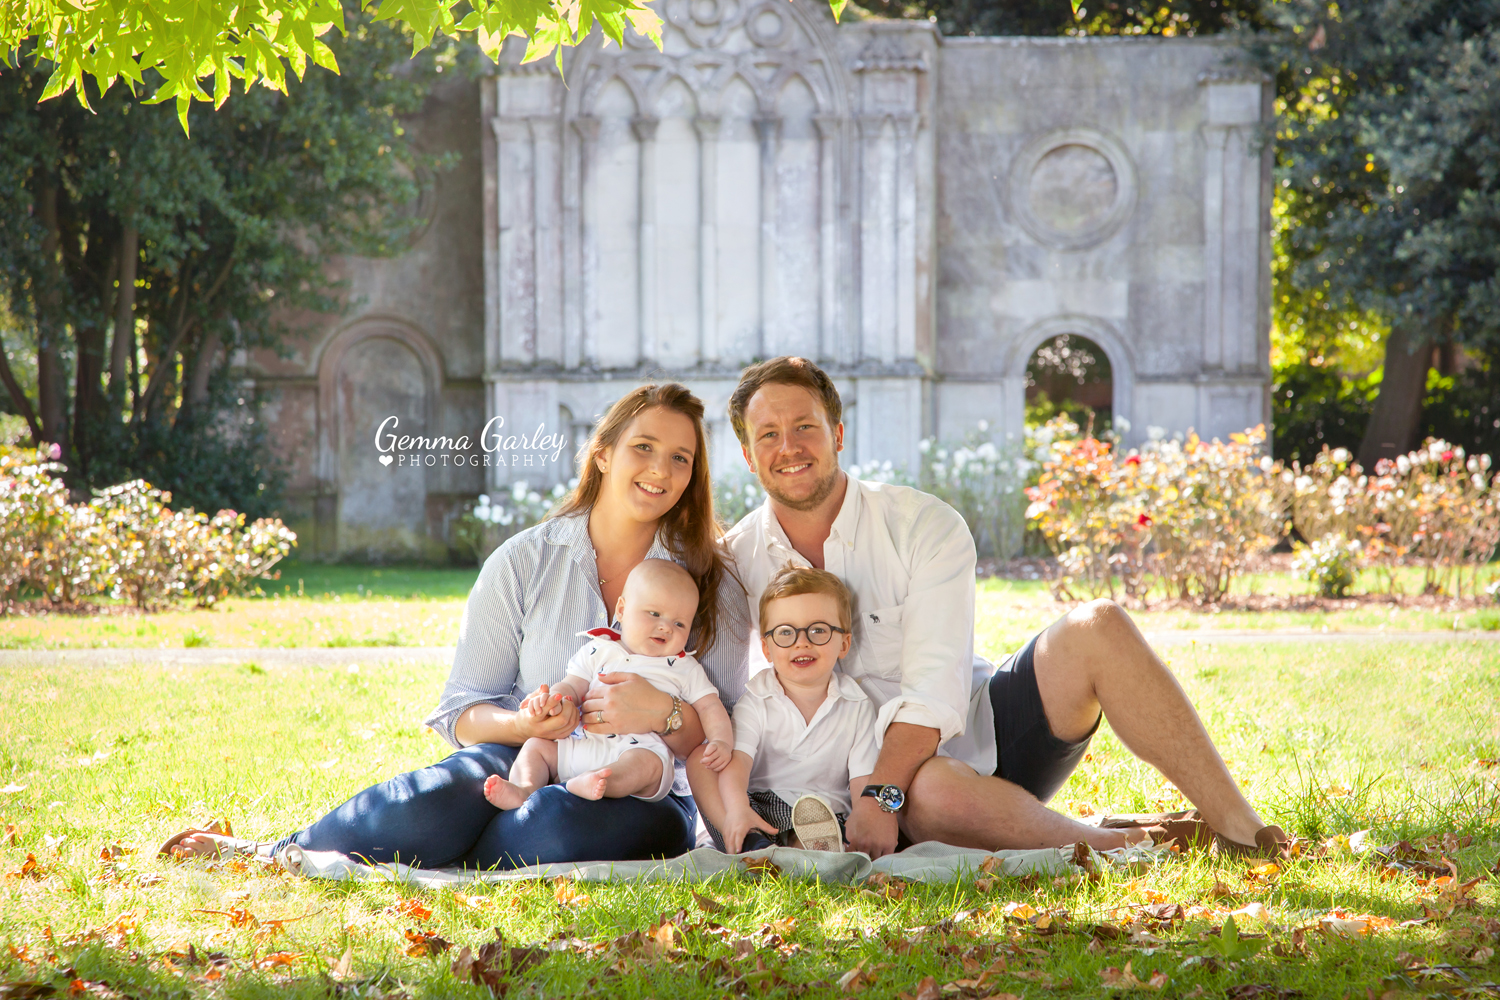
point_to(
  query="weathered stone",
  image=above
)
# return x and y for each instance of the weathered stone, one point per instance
(916, 213)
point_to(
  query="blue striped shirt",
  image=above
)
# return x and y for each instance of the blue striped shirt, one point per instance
(534, 595)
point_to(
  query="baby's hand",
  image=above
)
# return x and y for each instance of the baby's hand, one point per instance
(539, 703)
(717, 754)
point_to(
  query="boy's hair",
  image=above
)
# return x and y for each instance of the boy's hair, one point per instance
(785, 370)
(790, 581)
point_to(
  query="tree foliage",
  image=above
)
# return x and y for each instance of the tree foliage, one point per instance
(1388, 158)
(167, 49)
(1087, 17)
(136, 261)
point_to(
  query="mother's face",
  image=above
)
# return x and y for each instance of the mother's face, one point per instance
(649, 467)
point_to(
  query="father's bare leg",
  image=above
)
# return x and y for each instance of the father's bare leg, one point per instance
(1092, 658)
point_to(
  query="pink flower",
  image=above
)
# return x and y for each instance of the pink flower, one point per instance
(1448, 456)
(1133, 460)
(54, 451)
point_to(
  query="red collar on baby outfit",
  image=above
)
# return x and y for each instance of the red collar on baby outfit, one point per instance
(603, 633)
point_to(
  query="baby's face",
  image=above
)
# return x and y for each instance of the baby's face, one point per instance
(803, 662)
(655, 616)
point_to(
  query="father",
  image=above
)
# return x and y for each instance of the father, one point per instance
(976, 750)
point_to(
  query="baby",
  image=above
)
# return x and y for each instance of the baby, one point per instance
(655, 611)
(804, 733)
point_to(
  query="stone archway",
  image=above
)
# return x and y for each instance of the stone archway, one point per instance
(372, 371)
(1098, 331)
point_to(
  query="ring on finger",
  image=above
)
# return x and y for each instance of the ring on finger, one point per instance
(598, 718)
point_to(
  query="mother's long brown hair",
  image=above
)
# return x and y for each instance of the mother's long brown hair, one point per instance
(690, 530)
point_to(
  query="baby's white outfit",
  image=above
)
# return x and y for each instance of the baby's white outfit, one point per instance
(681, 675)
(793, 757)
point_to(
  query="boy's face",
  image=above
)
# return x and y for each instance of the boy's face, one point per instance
(655, 615)
(802, 662)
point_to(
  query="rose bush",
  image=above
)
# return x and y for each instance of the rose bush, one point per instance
(126, 542)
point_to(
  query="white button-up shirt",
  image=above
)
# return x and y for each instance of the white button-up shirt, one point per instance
(908, 560)
(793, 756)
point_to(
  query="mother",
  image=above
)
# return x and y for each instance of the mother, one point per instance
(643, 492)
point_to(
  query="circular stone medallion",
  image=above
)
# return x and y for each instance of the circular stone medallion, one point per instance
(1073, 188)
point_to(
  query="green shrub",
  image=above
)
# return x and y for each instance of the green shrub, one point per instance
(1328, 564)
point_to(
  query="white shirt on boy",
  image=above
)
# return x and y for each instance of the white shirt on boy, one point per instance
(792, 756)
(908, 560)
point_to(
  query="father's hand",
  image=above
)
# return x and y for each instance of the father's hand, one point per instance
(871, 829)
(629, 705)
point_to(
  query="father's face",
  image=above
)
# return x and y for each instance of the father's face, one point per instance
(794, 448)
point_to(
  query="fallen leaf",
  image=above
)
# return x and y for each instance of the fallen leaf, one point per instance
(472, 902)
(1260, 991)
(276, 960)
(708, 905)
(30, 868)
(12, 835)
(12, 788)
(761, 867)
(412, 909)
(567, 892)
(1125, 979)
(340, 969)
(496, 965)
(26, 990)
(927, 989)
(425, 944)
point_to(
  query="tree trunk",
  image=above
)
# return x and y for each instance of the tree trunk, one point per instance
(52, 386)
(196, 395)
(18, 398)
(101, 265)
(123, 347)
(1397, 416)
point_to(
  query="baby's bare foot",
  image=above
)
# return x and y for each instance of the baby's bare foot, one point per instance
(589, 785)
(502, 794)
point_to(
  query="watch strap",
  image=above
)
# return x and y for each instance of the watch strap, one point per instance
(674, 718)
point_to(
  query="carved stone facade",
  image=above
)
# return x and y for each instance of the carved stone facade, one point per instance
(916, 213)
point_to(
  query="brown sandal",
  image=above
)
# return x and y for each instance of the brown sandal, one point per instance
(213, 827)
(1270, 842)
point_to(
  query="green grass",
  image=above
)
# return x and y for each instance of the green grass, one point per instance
(337, 606)
(1328, 739)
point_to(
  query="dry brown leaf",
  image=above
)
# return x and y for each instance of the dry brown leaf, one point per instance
(30, 868)
(276, 960)
(340, 969)
(1126, 979)
(927, 989)
(708, 905)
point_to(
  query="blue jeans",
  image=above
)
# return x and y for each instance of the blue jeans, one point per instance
(438, 817)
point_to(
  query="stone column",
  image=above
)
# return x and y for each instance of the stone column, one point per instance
(828, 207)
(877, 254)
(516, 264)
(708, 238)
(583, 350)
(546, 242)
(768, 131)
(645, 134)
(905, 326)
(1233, 220)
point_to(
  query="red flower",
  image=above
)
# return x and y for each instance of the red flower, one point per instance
(1447, 456)
(1133, 460)
(1144, 521)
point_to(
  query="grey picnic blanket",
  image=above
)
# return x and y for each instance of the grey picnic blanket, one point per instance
(926, 862)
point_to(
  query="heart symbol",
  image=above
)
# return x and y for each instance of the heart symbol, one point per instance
(385, 460)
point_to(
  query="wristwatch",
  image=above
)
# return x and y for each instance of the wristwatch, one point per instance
(888, 797)
(674, 717)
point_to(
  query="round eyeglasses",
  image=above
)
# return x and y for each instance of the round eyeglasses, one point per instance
(818, 633)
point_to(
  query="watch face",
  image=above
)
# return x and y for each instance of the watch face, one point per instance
(890, 798)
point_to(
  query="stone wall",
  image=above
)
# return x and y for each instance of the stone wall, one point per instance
(916, 213)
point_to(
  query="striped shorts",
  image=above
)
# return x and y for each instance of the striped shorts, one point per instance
(774, 810)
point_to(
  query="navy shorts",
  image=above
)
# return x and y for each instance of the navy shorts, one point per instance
(1026, 751)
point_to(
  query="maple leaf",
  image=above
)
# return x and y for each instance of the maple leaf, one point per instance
(496, 965)
(412, 909)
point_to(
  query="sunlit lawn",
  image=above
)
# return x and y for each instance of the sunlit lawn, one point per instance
(1327, 738)
(320, 605)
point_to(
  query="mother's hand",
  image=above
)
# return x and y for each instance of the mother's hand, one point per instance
(629, 705)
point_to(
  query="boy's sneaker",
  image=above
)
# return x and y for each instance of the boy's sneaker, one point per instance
(816, 825)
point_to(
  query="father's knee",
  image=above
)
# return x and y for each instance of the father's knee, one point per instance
(938, 789)
(1099, 620)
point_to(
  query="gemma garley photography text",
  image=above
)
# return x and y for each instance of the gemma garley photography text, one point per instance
(498, 448)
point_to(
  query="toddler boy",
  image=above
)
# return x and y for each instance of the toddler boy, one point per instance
(804, 733)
